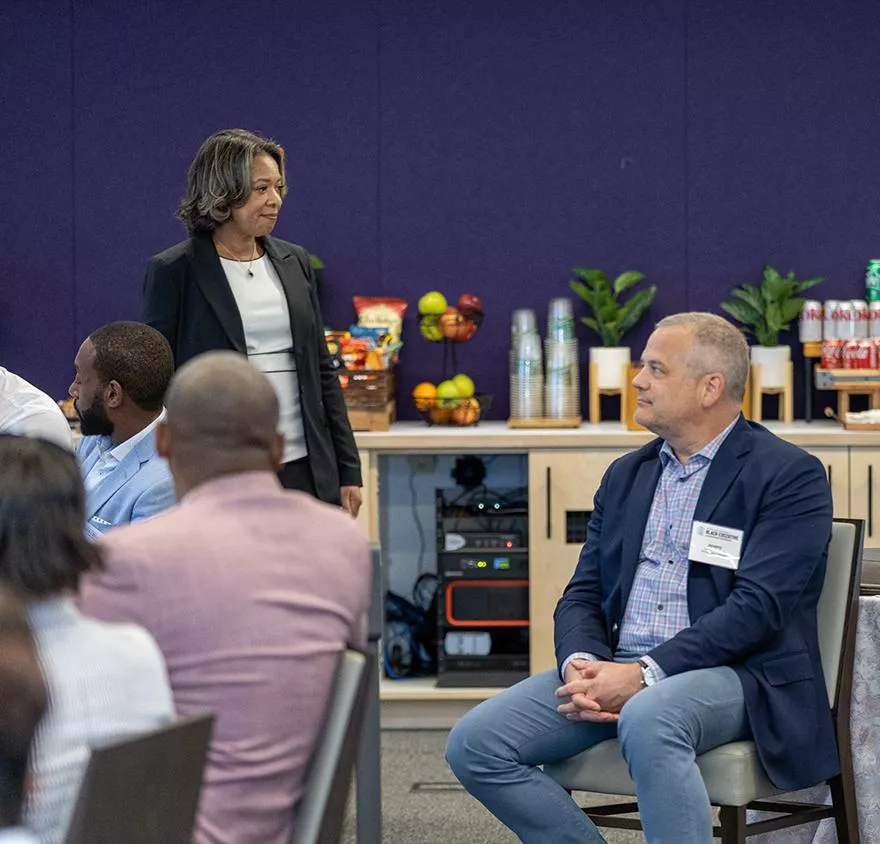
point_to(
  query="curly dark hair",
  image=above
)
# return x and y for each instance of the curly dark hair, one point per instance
(43, 549)
(138, 357)
(219, 178)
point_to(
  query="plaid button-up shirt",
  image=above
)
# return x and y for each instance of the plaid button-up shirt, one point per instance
(657, 608)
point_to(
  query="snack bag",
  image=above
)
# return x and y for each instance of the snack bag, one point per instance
(381, 312)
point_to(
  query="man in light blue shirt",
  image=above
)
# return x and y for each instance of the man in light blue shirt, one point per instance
(122, 372)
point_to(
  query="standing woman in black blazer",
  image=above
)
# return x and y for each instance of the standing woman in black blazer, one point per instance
(232, 286)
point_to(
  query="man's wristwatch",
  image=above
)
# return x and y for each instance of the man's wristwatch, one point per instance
(644, 668)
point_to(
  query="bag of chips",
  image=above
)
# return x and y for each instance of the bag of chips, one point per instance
(381, 312)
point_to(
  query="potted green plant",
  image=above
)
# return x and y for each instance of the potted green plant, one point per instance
(611, 317)
(764, 311)
(317, 266)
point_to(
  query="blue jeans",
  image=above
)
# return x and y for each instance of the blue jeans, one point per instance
(495, 749)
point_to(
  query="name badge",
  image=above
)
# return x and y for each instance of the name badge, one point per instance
(715, 545)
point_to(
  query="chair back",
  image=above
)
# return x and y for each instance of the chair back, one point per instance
(320, 811)
(838, 606)
(143, 789)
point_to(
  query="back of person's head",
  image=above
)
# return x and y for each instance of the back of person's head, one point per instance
(43, 550)
(716, 346)
(222, 418)
(138, 358)
(23, 700)
(219, 178)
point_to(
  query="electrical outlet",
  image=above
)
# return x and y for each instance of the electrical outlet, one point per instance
(422, 463)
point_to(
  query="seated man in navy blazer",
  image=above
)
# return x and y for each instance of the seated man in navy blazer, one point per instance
(122, 372)
(690, 620)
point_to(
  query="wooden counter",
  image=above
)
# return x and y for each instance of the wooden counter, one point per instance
(419, 438)
(564, 470)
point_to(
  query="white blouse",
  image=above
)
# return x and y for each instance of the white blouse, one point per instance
(269, 341)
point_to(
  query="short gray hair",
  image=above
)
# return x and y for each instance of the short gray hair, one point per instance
(219, 178)
(718, 346)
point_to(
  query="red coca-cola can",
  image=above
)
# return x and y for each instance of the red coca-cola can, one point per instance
(857, 354)
(832, 353)
(861, 318)
(874, 320)
(846, 324)
(871, 353)
(810, 326)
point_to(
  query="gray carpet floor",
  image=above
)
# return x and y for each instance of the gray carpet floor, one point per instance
(437, 814)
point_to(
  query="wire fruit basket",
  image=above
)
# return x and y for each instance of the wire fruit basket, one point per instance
(459, 412)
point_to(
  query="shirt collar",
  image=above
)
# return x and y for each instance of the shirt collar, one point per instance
(119, 452)
(701, 457)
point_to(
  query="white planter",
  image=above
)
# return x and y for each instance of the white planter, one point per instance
(610, 363)
(774, 364)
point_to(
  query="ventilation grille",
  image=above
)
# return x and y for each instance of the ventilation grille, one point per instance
(576, 522)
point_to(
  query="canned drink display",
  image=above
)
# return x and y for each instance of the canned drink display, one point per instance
(846, 324)
(832, 353)
(874, 320)
(859, 354)
(810, 326)
(830, 315)
(861, 318)
(872, 280)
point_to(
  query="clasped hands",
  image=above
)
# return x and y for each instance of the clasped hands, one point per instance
(597, 691)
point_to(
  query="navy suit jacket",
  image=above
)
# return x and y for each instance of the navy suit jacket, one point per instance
(760, 620)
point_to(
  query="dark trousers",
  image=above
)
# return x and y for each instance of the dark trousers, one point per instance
(298, 475)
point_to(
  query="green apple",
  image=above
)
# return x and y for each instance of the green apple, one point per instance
(429, 325)
(465, 385)
(448, 395)
(432, 303)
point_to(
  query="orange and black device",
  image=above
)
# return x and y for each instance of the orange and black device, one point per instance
(483, 617)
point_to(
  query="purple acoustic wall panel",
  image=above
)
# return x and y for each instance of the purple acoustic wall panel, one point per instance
(37, 253)
(469, 147)
(519, 139)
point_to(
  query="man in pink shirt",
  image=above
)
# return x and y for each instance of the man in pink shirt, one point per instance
(250, 590)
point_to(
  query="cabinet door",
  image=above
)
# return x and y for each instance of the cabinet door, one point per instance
(836, 462)
(864, 491)
(561, 489)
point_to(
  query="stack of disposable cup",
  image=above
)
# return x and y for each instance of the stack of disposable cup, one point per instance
(562, 387)
(526, 367)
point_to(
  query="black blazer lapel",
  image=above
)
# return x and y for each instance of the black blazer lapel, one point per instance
(638, 509)
(211, 279)
(296, 290)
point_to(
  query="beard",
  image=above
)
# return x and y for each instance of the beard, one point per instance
(93, 421)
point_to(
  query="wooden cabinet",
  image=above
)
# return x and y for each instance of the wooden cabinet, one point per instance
(837, 466)
(864, 491)
(368, 518)
(561, 489)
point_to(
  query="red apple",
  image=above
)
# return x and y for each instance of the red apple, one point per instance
(469, 304)
(456, 326)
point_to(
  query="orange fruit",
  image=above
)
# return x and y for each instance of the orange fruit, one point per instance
(424, 395)
(440, 416)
